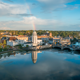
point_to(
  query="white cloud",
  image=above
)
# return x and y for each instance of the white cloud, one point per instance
(27, 23)
(56, 1)
(4, 28)
(12, 9)
(41, 24)
(37, 21)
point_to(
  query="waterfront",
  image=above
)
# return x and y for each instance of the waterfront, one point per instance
(51, 64)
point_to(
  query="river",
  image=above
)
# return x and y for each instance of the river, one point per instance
(50, 64)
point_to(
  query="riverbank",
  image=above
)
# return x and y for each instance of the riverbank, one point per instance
(30, 49)
(11, 51)
(44, 47)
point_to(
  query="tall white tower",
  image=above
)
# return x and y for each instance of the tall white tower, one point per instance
(34, 38)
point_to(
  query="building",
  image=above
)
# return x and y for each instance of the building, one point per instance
(33, 41)
(57, 40)
(13, 41)
(30, 44)
(22, 37)
(39, 42)
(44, 38)
(48, 34)
(50, 40)
(65, 41)
(34, 38)
(5, 33)
(4, 38)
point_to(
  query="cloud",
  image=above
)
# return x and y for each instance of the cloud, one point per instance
(24, 14)
(49, 67)
(4, 28)
(17, 15)
(9, 0)
(54, 5)
(56, 1)
(41, 24)
(38, 21)
(13, 10)
(27, 23)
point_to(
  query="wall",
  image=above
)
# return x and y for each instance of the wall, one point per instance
(39, 42)
(28, 45)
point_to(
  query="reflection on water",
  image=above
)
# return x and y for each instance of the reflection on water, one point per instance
(34, 56)
(49, 65)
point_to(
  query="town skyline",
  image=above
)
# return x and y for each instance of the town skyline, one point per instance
(52, 15)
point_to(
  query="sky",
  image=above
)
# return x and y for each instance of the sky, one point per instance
(59, 15)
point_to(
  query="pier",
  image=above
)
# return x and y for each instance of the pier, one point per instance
(62, 47)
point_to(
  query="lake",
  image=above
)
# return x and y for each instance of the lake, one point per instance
(50, 64)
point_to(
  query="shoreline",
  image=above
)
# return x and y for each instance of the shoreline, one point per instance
(30, 50)
(10, 51)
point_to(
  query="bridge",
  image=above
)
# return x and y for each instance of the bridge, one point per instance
(62, 47)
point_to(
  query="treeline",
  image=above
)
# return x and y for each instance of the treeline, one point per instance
(40, 32)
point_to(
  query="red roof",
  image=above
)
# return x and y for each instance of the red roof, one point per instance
(12, 38)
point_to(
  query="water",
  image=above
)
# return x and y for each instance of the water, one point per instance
(48, 64)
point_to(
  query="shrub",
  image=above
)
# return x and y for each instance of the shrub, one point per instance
(27, 46)
(0, 49)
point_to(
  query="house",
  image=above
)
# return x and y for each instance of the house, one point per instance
(48, 34)
(50, 40)
(13, 41)
(44, 38)
(59, 40)
(55, 40)
(5, 33)
(22, 37)
(65, 41)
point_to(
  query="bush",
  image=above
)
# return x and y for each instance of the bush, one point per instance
(5, 49)
(0, 49)
(27, 46)
(20, 46)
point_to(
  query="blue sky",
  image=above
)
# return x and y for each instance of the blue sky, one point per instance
(45, 14)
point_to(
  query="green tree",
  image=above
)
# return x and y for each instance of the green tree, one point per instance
(4, 42)
(27, 46)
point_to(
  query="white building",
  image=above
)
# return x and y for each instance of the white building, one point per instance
(34, 38)
(12, 43)
(20, 41)
(45, 39)
(34, 42)
(16, 42)
(39, 42)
